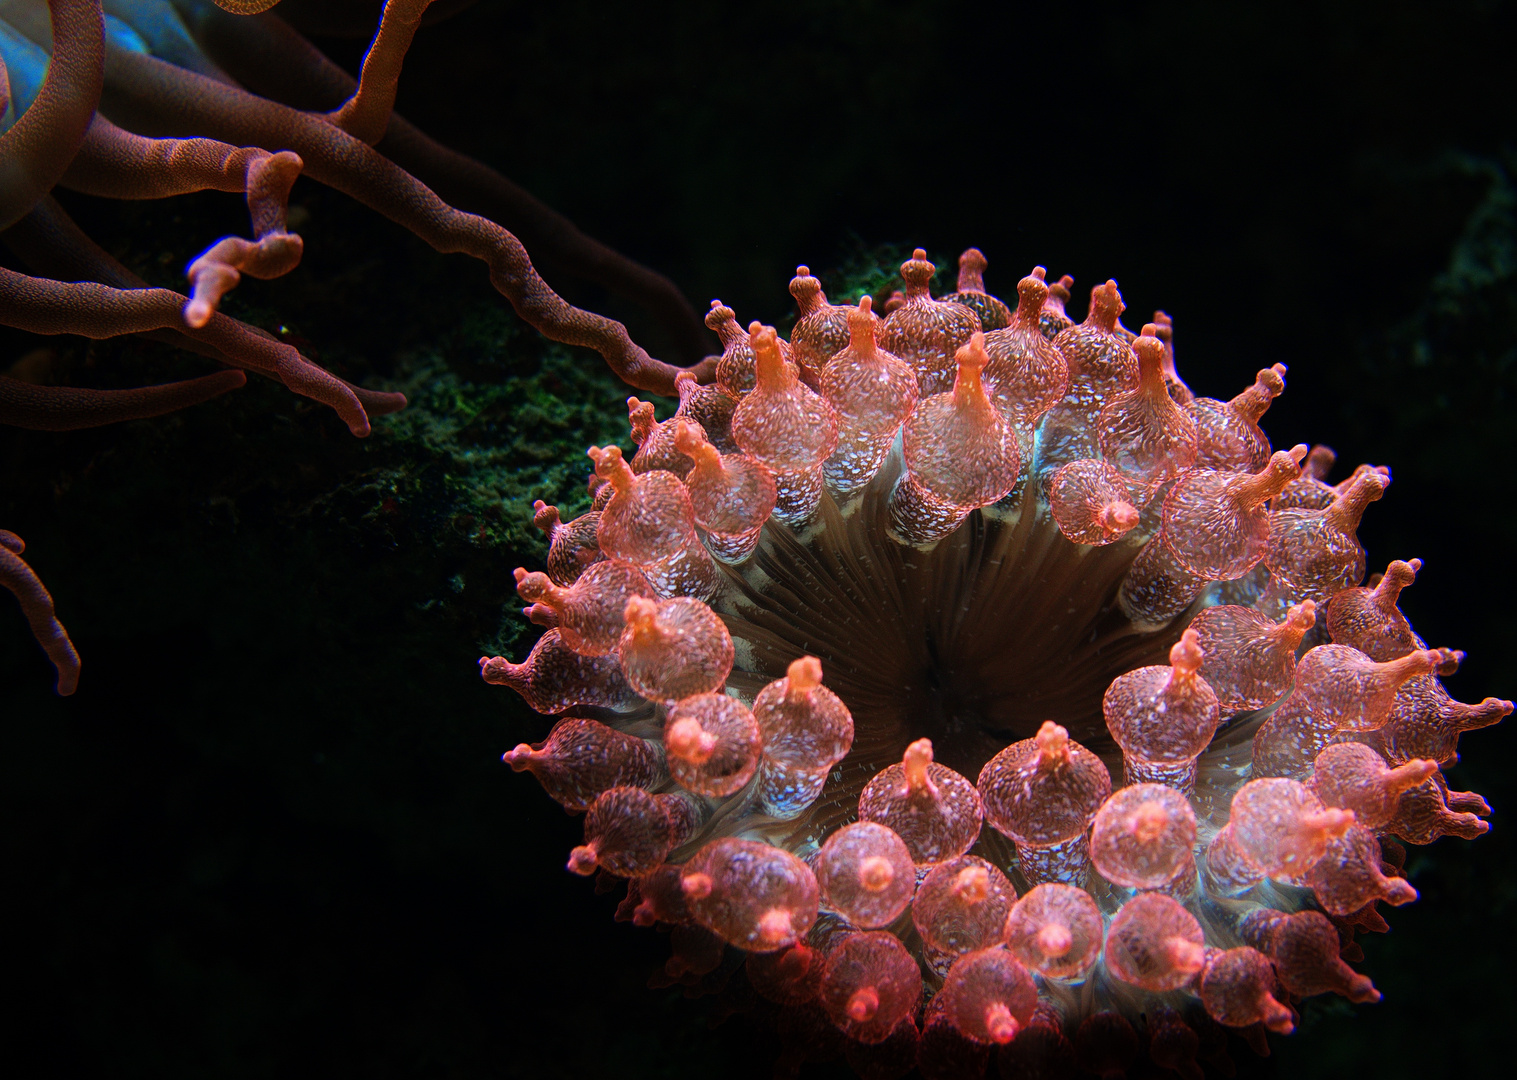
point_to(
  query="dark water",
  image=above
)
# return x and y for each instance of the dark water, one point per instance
(271, 833)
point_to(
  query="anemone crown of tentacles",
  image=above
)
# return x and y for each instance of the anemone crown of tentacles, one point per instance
(975, 687)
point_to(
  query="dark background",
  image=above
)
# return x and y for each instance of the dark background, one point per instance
(271, 832)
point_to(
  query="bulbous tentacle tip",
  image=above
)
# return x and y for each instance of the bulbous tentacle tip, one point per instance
(972, 264)
(1328, 824)
(641, 614)
(1118, 518)
(971, 885)
(1148, 821)
(1398, 575)
(641, 419)
(1272, 380)
(582, 860)
(499, 671)
(1106, 306)
(1031, 292)
(763, 339)
(1320, 461)
(1151, 355)
(1000, 1026)
(687, 741)
(690, 440)
(1185, 955)
(686, 436)
(917, 273)
(1409, 775)
(973, 261)
(1186, 655)
(1279, 1018)
(876, 873)
(610, 466)
(806, 289)
(696, 886)
(1053, 743)
(971, 356)
(805, 673)
(915, 761)
(545, 517)
(775, 928)
(1055, 940)
(519, 757)
(863, 1004)
(1301, 617)
(723, 320)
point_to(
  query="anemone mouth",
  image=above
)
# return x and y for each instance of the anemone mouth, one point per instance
(973, 642)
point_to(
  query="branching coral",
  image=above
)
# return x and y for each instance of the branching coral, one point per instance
(1032, 556)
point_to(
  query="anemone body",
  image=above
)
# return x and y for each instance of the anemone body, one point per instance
(1004, 628)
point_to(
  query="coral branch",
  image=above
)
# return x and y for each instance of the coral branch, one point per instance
(66, 408)
(51, 244)
(98, 311)
(118, 164)
(37, 605)
(268, 57)
(156, 94)
(37, 150)
(366, 114)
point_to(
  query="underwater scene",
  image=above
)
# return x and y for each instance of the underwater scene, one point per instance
(843, 539)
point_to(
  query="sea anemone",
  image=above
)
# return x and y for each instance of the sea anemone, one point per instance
(974, 564)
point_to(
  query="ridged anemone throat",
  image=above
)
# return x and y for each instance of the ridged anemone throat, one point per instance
(967, 682)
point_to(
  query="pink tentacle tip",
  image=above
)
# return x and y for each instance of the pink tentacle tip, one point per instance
(775, 927)
(1328, 824)
(1118, 517)
(1000, 1025)
(864, 1003)
(804, 675)
(1184, 954)
(1186, 655)
(1302, 617)
(687, 740)
(582, 860)
(915, 761)
(876, 873)
(1055, 940)
(972, 885)
(1053, 744)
